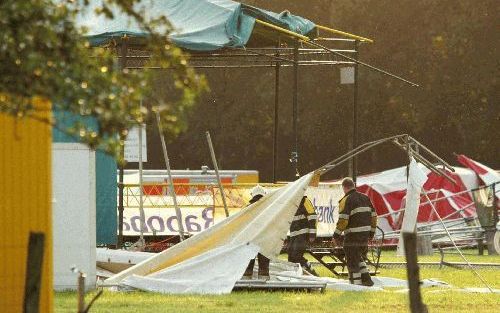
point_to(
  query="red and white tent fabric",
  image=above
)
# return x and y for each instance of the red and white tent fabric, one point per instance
(487, 175)
(387, 191)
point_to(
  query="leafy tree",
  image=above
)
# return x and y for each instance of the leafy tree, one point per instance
(46, 57)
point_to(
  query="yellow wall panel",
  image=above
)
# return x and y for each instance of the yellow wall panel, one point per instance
(25, 204)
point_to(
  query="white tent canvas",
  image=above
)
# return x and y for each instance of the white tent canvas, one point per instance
(263, 225)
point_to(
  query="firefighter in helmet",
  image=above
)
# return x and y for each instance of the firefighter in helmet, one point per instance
(302, 233)
(357, 222)
(263, 274)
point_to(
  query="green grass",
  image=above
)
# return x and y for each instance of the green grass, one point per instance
(450, 256)
(330, 301)
(392, 300)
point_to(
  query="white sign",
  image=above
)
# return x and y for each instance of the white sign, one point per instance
(325, 199)
(132, 146)
(347, 75)
(162, 220)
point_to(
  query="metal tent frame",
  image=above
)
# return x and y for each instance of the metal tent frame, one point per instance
(282, 48)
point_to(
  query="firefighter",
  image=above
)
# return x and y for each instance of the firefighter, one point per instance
(302, 233)
(257, 193)
(357, 221)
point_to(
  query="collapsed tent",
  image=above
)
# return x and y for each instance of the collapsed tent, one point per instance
(284, 272)
(213, 260)
(487, 175)
(387, 190)
(199, 25)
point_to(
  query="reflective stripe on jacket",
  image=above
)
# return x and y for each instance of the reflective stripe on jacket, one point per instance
(356, 215)
(304, 221)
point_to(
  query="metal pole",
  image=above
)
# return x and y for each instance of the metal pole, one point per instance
(178, 212)
(315, 44)
(216, 168)
(276, 117)
(346, 157)
(355, 113)
(453, 242)
(141, 192)
(295, 153)
(119, 244)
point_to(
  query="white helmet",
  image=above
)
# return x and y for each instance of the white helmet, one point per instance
(257, 190)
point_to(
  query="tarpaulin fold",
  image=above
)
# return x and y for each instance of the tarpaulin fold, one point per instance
(264, 224)
(213, 272)
(487, 175)
(387, 191)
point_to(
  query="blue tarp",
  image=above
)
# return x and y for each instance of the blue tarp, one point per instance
(199, 25)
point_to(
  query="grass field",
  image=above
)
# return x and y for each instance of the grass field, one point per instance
(437, 299)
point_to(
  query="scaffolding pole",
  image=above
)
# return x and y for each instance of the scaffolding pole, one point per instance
(123, 65)
(141, 243)
(276, 116)
(171, 188)
(216, 168)
(294, 158)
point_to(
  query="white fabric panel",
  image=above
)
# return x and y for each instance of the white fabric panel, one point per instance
(214, 272)
(416, 180)
(265, 223)
(468, 177)
(121, 256)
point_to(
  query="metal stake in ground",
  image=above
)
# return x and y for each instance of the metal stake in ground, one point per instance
(178, 212)
(216, 168)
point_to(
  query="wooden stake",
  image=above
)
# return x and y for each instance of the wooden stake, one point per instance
(413, 273)
(81, 292)
(34, 272)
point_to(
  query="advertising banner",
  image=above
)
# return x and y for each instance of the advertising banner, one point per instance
(202, 211)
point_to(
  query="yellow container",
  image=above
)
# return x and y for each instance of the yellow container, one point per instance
(25, 203)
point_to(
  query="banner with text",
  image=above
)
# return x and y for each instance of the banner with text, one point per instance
(161, 219)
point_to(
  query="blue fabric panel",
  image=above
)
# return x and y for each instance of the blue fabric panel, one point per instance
(199, 25)
(284, 19)
(106, 201)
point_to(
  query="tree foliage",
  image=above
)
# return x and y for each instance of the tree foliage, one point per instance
(46, 57)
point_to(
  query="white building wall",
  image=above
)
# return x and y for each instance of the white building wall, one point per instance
(74, 214)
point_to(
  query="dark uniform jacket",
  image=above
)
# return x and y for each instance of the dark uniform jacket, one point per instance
(357, 218)
(304, 222)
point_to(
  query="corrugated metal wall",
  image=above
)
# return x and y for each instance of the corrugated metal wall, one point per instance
(25, 205)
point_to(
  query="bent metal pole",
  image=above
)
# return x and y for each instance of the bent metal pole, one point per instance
(216, 168)
(453, 242)
(171, 188)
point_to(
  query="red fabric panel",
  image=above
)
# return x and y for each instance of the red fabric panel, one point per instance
(465, 161)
